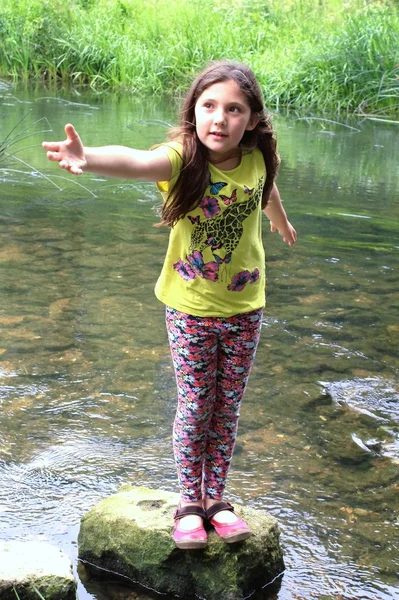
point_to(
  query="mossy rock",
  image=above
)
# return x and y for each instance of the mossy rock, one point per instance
(31, 566)
(129, 533)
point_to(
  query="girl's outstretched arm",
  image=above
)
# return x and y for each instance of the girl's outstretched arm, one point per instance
(111, 161)
(278, 218)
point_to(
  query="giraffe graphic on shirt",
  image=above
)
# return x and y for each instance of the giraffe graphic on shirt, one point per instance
(220, 231)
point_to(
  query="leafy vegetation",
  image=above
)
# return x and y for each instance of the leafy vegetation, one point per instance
(326, 56)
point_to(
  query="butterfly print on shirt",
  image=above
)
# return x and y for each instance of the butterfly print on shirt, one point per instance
(216, 187)
(220, 232)
(228, 200)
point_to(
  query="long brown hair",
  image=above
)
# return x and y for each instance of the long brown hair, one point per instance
(193, 179)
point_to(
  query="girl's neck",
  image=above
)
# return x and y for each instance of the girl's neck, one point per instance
(228, 161)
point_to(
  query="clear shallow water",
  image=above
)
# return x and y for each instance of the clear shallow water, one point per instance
(87, 393)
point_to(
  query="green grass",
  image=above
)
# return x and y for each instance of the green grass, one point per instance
(35, 590)
(321, 55)
(10, 146)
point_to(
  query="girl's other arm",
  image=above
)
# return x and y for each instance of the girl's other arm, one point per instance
(111, 161)
(278, 218)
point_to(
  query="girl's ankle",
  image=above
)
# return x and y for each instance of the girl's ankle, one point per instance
(208, 502)
(190, 502)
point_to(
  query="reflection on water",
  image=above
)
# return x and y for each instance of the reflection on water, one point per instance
(87, 392)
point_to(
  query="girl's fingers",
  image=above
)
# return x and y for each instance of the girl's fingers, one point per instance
(71, 132)
(51, 146)
(63, 164)
(64, 152)
(54, 156)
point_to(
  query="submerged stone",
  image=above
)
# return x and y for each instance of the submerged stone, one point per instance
(30, 566)
(129, 534)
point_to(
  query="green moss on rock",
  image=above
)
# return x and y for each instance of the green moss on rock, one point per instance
(130, 533)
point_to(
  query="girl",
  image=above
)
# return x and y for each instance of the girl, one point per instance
(216, 174)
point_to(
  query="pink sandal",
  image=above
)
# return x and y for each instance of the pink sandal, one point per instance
(194, 539)
(230, 532)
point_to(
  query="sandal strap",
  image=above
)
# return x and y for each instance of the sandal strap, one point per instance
(183, 511)
(218, 507)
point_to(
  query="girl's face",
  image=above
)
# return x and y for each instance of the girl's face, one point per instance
(222, 115)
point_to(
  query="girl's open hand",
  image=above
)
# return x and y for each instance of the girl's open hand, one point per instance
(69, 154)
(287, 232)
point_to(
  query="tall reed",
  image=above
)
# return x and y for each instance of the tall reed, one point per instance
(35, 590)
(325, 55)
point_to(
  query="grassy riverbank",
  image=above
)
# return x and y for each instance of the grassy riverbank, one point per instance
(325, 55)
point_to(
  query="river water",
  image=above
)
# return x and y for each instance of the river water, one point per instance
(87, 392)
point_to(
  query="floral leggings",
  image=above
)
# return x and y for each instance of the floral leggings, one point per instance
(212, 357)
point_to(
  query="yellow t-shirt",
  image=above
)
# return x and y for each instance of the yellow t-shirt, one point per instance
(215, 262)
